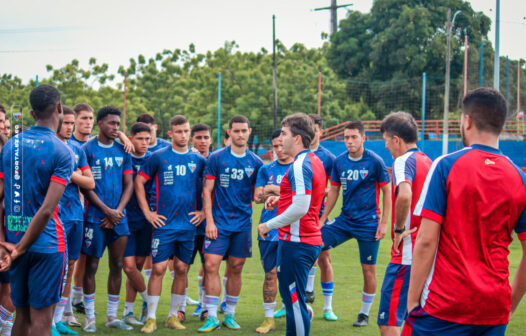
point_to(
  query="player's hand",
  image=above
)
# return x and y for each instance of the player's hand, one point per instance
(323, 220)
(155, 219)
(263, 230)
(13, 254)
(271, 202)
(106, 223)
(5, 259)
(128, 145)
(412, 305)
(380, 232)
(114, 216)
(199, 217)
(398, 237)
(211, 230)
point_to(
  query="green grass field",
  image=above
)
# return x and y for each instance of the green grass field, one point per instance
(249, 311)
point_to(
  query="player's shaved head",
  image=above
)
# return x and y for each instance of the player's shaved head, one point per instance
(487, 107)
(44, 100)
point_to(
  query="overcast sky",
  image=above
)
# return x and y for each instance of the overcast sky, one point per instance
(36, 33)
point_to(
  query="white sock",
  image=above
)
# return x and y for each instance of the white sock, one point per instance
(153, 302)
(328, 289)
(231, 302)
(113, 305)
(77, 294)
(211, 303)
(175, 303)
(182, 306)
(59, 309)
(6, 315)
(201, 289)
(310, 281)
(269, 308)
(283, 306)
(367, 302)
(69, 307)
(223, 293)
(128, 307)
(147, 273)
(144, 295)
(89, 305)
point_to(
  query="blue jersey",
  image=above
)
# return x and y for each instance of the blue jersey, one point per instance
(76, 141)
(109, 164)
(29, 162)
(272, 174)
(160, 144)
(70, 206)
(360, 180)
(176, 176)
(201, 229)
(235, 177)
(133, 210)
(327, 158)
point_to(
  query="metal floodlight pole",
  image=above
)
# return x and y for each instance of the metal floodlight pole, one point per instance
(274, 72)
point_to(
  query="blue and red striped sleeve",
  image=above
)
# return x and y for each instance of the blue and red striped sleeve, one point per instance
(211, 167)
(64, 160)
(433, 199)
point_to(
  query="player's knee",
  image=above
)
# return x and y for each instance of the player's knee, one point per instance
(324, 259)
(211, 267)
(180, 269)
(129, 268)
(116, 265)
(235, 268)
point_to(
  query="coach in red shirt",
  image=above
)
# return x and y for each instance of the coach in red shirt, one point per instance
(471, 202)
(301, 194)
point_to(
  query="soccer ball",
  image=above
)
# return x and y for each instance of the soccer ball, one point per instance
(311, 312)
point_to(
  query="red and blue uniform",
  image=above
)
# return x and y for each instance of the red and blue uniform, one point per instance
(360, 180)
(235, 177)
(270, 174)
(478, 196)
(109, 164)
(176, 176)
(29, 162)
(412, 168)
(160, 144)
(300, 242)
(139, 240)
(71, 212)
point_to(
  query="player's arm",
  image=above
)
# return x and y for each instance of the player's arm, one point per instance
(208, 189)
(140, 193)
(112, 215)
(127, 191)
(402, 210)
(128, 145)
(83, 178)
(423, 254)
(259, 195)
(332, 197)
(518, 288)
(386, 209)
(298, 208)
(5, 260)
(270, 190)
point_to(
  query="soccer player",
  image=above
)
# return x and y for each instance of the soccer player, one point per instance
(201, 139)
(459, 277)
(155, 142)
(7, 128)
(83, 123)
(410, 168)
(139, 240)
(268, 181)
(301, 193)
(71, 212)
(361, 174)
(105, 215)
(230, 176)
(177, 172)
(35, 167)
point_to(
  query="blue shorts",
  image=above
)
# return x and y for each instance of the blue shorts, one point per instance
(4, 277)
(37, 279)
(393, 300)
(268, 251)
(140, 240)
(421, 323)
(199, 241)
(96, 239)
(168, 243)
(74, 238)
(235, 244)
(338, 233)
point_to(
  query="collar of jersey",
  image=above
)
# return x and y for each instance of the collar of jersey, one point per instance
(486, 148)
(413, 150)
(303, 151)
(103, 145)
(155, 144)
(138, 157)
(42, 129)
(180, 153)
(355, 159)
(236, 155)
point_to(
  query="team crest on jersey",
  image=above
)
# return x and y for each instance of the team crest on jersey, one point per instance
(170, 167)
(118, 159)
(137, 168)
(76, 158)
(97, 162)
(363, 173)
(249, 171)
(192, 166)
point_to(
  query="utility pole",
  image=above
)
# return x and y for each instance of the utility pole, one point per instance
(334, 14)
(496, 65)
(274, 74)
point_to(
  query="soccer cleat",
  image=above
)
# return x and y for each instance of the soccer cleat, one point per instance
(79, 307)
(90, 326)
(204, 315)
(197, 311)
(311, 312)
(222, 307)
(191, 302)
(329, 315)
(230, 322)
(150, 326)
(132, 319)
(54, 331)
(71, 320)
(309, 297)
(117, 324)
(181, 316)
(267, 325)
(280, 313)
(212, 323)
(63, 329)
(144, 312)
(174, 323)
(362, 321)
(7, 326)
